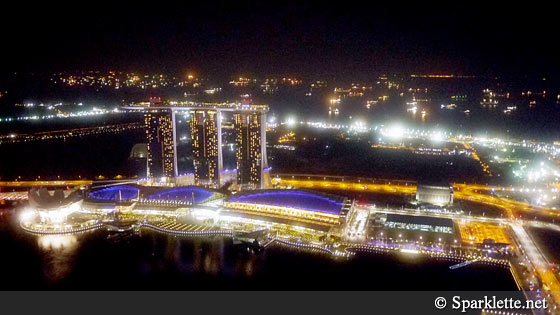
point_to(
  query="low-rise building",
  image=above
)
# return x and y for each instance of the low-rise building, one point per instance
(437, 195)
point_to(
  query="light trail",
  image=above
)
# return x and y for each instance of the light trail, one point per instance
(30, 183)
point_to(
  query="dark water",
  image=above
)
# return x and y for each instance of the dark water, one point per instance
(329, 155)
(86, 156)
(151, 260)
(548, 241)
(108, 155)
(538, 121)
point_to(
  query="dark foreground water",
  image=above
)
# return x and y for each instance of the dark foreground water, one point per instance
(548, 242)
(150, 260)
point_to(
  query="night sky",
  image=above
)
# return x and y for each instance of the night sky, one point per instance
(257, 38)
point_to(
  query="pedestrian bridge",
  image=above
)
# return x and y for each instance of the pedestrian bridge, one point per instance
(463, 264)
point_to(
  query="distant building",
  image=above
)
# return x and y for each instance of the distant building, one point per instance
(160, 134)
(139, 151)
(437, 195)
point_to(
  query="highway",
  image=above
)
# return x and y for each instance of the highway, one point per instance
(470, 192)
(47, 183)
(538, 262)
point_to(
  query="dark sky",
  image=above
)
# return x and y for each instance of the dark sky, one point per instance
(312, 38)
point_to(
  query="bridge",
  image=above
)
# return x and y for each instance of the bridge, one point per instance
(463, 264)
(48, 183)
(13, 196)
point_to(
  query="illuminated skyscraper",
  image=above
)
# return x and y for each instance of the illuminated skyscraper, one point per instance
(160, 135)
(250, 153)
(206, 144)
(206, 136)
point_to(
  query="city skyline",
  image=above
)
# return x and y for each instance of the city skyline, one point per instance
(378, 148)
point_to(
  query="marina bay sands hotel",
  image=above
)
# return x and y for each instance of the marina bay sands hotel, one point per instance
(206, 136)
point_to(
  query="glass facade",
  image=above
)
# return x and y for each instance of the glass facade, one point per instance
(161, 144)
(249, 153)
(205, 142)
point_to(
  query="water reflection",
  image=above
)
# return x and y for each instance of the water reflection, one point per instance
(59, 253)
(151, 260)
(57, 242)
(246, 266)
(208, 257)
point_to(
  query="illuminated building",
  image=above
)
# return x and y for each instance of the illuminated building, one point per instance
(477, 233)
(151, 194)
(115, 193)
(206, 132)
(419, 223)
(160, 135)
(299, 205)
(250, 149)
(491, 98)
(206, 143)
(438, 195)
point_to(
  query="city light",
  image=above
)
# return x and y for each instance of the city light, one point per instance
(27, 215)
(48, 242)
(291, 122)
(395, 131)
(191, 156)
(409, 251)
(437, 136)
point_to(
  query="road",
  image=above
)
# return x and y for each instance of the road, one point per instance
(470, 192)
(538, 261)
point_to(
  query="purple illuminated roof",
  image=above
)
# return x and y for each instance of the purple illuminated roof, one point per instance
(112, 193)
(299, 199)
(186, 193)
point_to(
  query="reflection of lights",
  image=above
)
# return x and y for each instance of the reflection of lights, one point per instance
(57, 241)
(409, 251)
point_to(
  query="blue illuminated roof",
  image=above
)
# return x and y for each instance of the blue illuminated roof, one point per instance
(112, 193)
(299, 199)
(186, 193)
